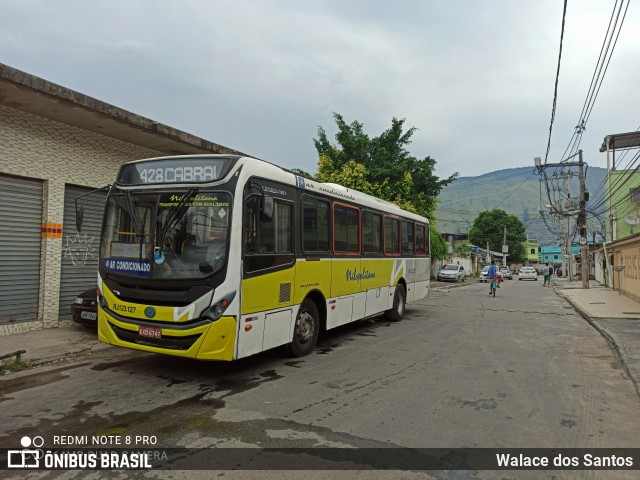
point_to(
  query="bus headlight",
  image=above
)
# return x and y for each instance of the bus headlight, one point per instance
(215, 311)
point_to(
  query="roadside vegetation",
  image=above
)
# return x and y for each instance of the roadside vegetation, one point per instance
(11, 365)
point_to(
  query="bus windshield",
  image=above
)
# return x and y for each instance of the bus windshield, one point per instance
(172, 235)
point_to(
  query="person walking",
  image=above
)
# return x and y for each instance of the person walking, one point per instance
(547, 276)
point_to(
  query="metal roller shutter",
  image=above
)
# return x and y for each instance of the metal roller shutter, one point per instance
(20, 240)
(79, 269)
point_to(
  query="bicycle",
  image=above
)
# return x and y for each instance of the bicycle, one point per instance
(494, 285)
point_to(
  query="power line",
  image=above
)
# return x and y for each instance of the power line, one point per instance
(606, 53)
(555, 92)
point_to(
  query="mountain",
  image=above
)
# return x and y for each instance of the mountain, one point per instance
(517, 191)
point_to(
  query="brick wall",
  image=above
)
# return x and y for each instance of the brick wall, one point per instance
(35, 147)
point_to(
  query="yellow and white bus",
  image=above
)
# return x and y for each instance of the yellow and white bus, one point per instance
(218, 257)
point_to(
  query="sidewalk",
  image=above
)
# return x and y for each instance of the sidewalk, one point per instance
(615, 316)
(53, 344)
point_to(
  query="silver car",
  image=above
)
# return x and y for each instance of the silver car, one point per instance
(451, 273)
(506, 273)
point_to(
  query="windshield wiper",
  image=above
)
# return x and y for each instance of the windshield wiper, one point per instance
(177, 213)
(132, 212)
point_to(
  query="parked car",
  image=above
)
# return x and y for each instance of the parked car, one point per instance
(527, 273)
(84, 309)
(506, 273)
(484, 274)
(452, 273)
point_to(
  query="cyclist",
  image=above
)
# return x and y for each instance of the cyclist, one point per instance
(492, 274)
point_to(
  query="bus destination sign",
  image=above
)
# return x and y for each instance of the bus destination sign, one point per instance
(174, 170)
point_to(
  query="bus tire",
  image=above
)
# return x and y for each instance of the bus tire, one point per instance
(397, 311)
(305, 330)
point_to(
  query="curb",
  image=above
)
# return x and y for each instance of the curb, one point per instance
(90, 350)
(611, 337)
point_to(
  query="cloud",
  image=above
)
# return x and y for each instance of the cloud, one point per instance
(475, 78)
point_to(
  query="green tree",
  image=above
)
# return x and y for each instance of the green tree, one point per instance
(488, 228)
(383, 167)
(439, 249)
(463, 250)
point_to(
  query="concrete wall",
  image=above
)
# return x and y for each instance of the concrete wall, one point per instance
(629, 256)
(35, 147)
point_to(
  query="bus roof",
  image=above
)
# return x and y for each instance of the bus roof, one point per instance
(271, 171)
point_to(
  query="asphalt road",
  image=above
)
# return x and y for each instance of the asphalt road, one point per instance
(463, 369)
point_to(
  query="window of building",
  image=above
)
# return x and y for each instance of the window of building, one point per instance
(371, 232)
(533, 251)
(315, 225)
(346, 230)
(555, 257)
(391, 236)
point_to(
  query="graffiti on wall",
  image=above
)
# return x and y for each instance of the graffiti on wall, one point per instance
(79, 249)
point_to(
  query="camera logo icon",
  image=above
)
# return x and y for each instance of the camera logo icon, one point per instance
(26, 457)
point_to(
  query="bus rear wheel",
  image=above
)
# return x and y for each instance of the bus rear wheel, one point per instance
(306, 329)
(397, 311)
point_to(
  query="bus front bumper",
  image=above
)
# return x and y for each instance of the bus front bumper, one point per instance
(213, 341)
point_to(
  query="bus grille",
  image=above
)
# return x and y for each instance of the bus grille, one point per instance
(166, 341)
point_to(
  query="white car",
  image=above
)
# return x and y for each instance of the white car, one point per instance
(484, 274)
(527, 273)
(452, 273)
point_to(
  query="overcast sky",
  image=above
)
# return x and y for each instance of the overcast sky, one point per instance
(476, 78)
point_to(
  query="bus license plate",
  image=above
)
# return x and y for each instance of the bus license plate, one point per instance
(151, 332)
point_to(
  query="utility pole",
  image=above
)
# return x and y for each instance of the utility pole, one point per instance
(582, 214)
(563, 251)
(568, 239)
(504, 245)
(582, 224)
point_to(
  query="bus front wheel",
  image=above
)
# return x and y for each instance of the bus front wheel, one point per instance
(306, 329)
(397, 311)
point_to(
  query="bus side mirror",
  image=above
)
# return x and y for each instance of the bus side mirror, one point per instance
(79, 218)
(266, 209)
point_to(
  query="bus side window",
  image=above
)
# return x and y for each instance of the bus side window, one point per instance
(407, 238)
(391, 236)
(420, 240)
(371, 232)
(315, 225)
(274, 236)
